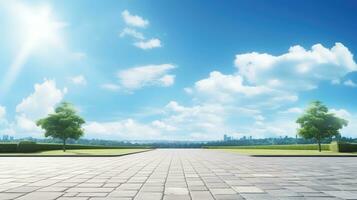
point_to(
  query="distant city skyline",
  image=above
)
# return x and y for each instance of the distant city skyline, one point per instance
(177, 70)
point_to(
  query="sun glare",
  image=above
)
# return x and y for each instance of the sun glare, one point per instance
(41, 28)
(36, 28)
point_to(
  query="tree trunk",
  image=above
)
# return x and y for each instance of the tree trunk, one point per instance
(319, 142)
(64, 145)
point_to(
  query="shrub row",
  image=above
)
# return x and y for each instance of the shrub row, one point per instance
(343, 147)
(8, 147)
(29, 147)
(324, 147)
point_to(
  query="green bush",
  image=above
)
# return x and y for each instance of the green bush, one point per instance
(343, 147)
(29, 147)
(26, 147)
(324, 147)
(8, 147)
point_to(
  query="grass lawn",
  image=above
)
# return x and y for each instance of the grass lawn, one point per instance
(272, 152)
(94, 152)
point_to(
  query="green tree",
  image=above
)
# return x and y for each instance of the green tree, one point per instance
(317, 123)
(63, 124)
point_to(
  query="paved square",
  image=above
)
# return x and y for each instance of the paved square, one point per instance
(176, 174)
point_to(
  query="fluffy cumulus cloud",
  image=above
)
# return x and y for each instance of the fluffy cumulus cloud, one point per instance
(37, 105)
(132, 33)
(298, 69)
(121, 129)
(134, 20)
(42, 101)
(148, 75)
(350, 83)
(278, 78)
(222, 86)
(139, 38)
(149, 44)
(350, 130)
(78, 80)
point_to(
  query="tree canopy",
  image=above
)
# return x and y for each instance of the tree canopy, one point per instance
(317, 123)
(64, 123)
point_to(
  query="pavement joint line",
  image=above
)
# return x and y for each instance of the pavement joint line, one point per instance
(167, 175)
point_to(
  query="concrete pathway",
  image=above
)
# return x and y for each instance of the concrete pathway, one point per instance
(178, 174)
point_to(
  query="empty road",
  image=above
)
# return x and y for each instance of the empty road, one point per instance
(177, 174)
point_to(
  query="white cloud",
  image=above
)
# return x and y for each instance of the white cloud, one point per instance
(350, 83)
(24, 124)
(134, 20)
(200, 119)
(42, 101)
(335, 82)
(272, 128)
(342, 113)
(162, 125)
(149, 44)
(121, 129)
(265, 79)
(167, 80)
(78, 80)
(133, 33)
(293, 110)
(222, 86)
(297, 70)
(110, 86)
(2, 112)
(350, 129)
(148, 75)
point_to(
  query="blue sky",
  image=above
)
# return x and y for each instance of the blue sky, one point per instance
(187, 70)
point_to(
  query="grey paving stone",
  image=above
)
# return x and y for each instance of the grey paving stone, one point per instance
(228, 197)
(219, 191)
(89, 189)
(40, 195)
(123, 193)
(176, 197)
(343, 194)
(248, 189)
(201, 195)
(8, 196)
(23, 189)
(72, 198)
(148, 196)
(176, 191)
(91, 194)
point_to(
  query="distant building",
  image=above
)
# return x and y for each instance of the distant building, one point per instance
(227, 138)
(5, 138)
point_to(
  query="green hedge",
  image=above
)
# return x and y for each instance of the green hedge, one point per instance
(325, 147)
(26, 147)
(8, 147)
(30, 147)
(343, 147)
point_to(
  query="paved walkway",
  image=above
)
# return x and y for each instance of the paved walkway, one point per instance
(178, 175)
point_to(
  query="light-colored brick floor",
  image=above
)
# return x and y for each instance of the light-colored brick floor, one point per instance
(178, 174)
